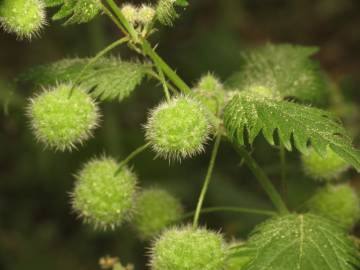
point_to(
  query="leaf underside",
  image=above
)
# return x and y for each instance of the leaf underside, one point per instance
(285, 69)
(76, 11)
(296, 124)
(107, 79)
(301, 242)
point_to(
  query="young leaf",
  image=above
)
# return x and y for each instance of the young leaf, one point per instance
(107, 79)
(77, 11)
(302, 242)
(251, 113)
(285, 69)
(165, 10)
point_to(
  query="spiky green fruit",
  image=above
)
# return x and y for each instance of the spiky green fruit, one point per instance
(178, 128)
(25, 18)
(101, 197)
(155, 210)
(62, 121)
(188, 249)
(210, 92)
(326, 168)
(337, 202)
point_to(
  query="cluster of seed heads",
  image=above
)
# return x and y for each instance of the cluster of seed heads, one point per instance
(144, 14)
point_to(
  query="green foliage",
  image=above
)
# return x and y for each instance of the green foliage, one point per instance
(155, 210)
(178, 128)
(250, 113)
(327, 168)
(286, 70)
(76, 11)
(188, 249)
(102, 198)
(165, 10)
(339, 203)
(302, 242)
(62, 122)
(25, 18)
(107, 79)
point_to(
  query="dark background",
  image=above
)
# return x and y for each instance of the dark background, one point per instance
(37, 228)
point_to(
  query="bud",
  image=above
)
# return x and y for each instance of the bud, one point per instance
(145, 14)
(130, 13)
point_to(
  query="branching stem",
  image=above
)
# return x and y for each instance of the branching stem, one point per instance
(131, 156)
(263, 179)
(207, 180)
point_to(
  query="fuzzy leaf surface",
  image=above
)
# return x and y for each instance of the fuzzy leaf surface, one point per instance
(302, 242)
(107, 79)
(285, 69)
(248, 113)
(76, 11)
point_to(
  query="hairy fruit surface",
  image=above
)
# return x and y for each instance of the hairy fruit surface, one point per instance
(155, 210)
(102, 198)
(178, 128)
(62, 121)
(188, 249)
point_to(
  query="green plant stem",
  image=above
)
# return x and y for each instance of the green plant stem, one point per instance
(131, 156)
(284, 186)
(164, 84)
(129, 28)
(95, 59)
(153, 74)
(232, 209)
(115, 21)
(169, 72)
(263, 180)
(207, 180)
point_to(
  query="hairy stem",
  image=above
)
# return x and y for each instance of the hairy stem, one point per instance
(131, 156)
(168, 71)
(164, 84)
(114, 20)
(207, 180)
(95, 59)
(232, 209)
(262, 179)
(284, 186)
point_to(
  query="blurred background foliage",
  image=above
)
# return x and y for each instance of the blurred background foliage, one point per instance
(37, 228)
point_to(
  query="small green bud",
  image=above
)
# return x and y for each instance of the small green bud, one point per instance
(210, 92)
(178, 128)
(188, 249)
(328, 168)
(25, 18)
(155, 210)
(339, 203)
(62, 121)
(146, 14)
(130, 13)
(102, 198)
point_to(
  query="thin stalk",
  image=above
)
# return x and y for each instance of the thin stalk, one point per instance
(156, 76)
(169, 72)
(115, 21)
(129, 28)
(284, 186)
(164, 85)
(232, 209)
(131, 156)
(207, 180)
(95, 59)
(263, 180)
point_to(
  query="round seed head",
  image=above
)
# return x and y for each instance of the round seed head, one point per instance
(328, 168)
(155, 210)
(146, 14)
(130, 13)
(337, 202)
(188, 249)
(102, 198)
(178, 128)
(25, 18)
(61, 121)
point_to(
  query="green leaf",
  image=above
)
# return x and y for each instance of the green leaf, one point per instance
(77, 11)
(165, 10)
(302, 242)
(250, 113)
(286, 69)
(107, 79)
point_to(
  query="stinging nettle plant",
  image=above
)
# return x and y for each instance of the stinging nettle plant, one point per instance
(280, 93)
